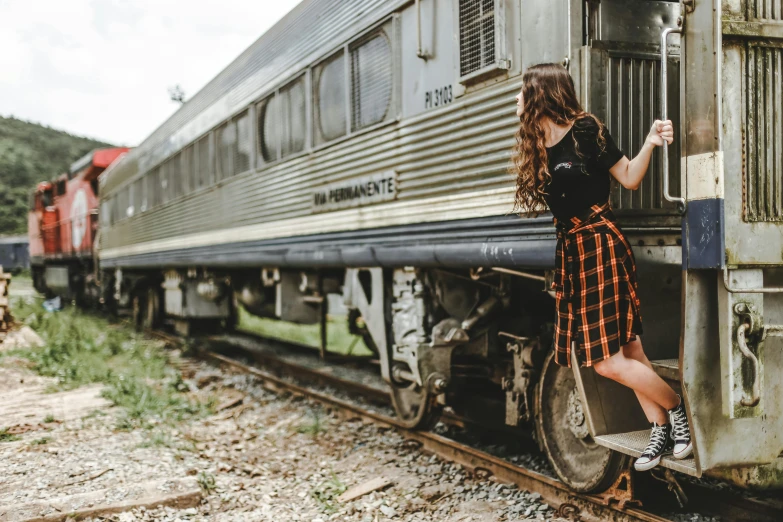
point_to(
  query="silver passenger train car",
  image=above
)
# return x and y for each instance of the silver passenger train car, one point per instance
(361, 147)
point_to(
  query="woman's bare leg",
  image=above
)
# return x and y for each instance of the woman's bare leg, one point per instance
(653, 410)
(631, 368)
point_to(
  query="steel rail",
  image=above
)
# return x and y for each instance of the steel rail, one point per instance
(553, 492)
(585, 507)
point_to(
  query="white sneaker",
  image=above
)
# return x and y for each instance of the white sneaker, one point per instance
(681, 433)
(651, 457)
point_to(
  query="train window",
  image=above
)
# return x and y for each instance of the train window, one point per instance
(330, 98)
(133, 198)
(476, 35)
(186, 169)
(174, 171)
(372, 81)
(122, 204)
(105, 213)
(143, 204)
(163, 178)
(151, 188)
(121, 211)
(269, 128)
(243, 147)
(226, 141)
(294, 111)
(204, 163)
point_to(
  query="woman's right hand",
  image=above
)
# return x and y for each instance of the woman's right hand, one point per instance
(660, 131)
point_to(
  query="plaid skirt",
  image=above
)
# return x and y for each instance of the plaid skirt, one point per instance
(596, 293)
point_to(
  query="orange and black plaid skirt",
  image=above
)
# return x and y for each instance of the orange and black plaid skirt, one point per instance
(596, 293)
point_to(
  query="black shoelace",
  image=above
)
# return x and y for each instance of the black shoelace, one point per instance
(657, 441)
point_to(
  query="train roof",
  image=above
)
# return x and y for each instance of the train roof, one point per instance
(298, 40)
(97, 158)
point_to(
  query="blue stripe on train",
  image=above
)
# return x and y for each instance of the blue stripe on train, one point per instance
(703, 237)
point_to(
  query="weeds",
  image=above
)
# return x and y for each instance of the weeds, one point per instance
(315, 426)
(41, 441)
(158, 439)
(83, 349)
(8, 437)
(49, 419)
(206, 482)
(326, 494)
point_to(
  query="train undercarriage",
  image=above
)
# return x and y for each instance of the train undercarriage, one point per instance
(475, 341)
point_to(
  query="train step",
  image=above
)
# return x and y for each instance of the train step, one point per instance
(634, 442)
(669, 369)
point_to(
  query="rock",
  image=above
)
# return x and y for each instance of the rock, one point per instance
(388, 511)
(433, 493)
(206, 377)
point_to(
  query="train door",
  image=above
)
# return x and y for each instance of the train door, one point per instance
(622, 65)
(620, 82)
(734, 233)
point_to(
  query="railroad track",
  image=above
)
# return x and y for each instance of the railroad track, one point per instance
(570, 505)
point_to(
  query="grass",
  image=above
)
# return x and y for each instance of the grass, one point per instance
(8, 437)
(326, 494)
(41, 441)
(81, 349)
(338, 338)
(164, 439)
(158, 439)
(49, 419)
(314, 425)
(206, 482)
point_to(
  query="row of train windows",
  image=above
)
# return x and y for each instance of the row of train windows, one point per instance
(349, 91)
(343, 101)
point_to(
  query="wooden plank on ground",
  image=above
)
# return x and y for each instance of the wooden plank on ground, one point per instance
(175, 493)
(364, 488)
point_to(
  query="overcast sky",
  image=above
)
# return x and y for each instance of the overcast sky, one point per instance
(102, 68)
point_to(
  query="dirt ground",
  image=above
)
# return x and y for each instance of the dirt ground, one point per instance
(261, 457)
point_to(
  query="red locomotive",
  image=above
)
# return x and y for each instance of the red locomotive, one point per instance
(63, 224)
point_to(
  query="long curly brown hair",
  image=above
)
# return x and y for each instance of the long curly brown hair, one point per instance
(547, 92)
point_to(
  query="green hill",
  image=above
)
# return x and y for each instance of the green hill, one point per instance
(30, 153)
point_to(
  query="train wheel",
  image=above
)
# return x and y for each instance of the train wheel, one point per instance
(579, 462)
(416, 407)
(151, 318)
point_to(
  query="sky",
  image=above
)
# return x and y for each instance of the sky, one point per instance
(103, 68)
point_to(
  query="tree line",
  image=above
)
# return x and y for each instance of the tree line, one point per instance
(30, 153)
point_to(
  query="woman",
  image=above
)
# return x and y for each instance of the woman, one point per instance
(563, 160)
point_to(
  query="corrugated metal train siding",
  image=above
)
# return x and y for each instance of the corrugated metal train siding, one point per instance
(763, 132)
(632, 101)
(311, 28)
(461, 148)
(765, 9)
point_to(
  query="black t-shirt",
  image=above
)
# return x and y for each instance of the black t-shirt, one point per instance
(582, 180)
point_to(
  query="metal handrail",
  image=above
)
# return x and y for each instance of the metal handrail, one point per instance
(756, 386)
(762, 290)
(664, 83)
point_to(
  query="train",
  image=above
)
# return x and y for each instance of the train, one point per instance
(62, 227)
(361, 148)
(14, 253)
